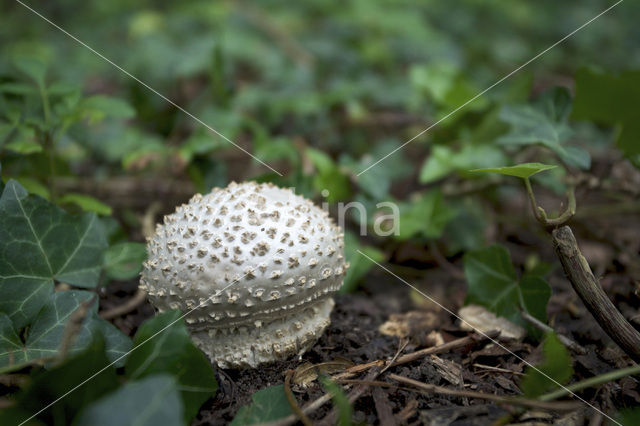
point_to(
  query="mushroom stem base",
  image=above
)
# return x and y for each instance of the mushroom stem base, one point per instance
(258, 343)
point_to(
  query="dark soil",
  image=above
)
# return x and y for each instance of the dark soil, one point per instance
(609, 241)
(354, 335)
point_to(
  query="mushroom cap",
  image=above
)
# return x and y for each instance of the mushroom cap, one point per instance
(255, 266)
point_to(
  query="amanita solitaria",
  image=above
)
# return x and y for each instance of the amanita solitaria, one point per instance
(257, 264)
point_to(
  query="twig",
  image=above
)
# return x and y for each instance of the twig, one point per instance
(307, 409)
(471, 339)
(541, 214)
(531, 403)
(588, 288)
(395, 357)
(125, 308)
(292, 399)
(544, 327)
(591, 381)
(498, 369)
(352, 397)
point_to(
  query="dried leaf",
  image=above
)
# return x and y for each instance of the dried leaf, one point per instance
(479, 318)
(415, 325)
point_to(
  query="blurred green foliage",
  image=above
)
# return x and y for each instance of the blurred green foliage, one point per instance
(319, 90)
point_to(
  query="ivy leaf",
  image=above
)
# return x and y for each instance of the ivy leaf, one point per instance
(524, 170)
(99, 106)
(86, 203)
(377, 180)
(123, 261)
(329, 176)
(443, 160)
(46, 332)
(267, 405)
(358, 264)
(151, 401)
(426, 216)
(49, 385)
(493, 283)
(9, 343)
(556, 365)
(611, 99)
(171, 351)
(544, 123)
(31, 67)
(40, 243)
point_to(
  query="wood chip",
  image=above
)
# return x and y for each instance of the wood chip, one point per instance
(448, 370)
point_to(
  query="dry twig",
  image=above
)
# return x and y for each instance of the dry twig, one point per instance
(595, 299)
(292, 399)
(125, 308)
(531, 403)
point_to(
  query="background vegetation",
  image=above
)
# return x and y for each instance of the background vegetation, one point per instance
(319, 90)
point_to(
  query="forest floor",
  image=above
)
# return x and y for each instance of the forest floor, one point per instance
(354, 337)
(385, 319)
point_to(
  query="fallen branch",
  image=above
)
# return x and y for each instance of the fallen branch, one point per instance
(530, 403)
(471, 339)
(588, 288)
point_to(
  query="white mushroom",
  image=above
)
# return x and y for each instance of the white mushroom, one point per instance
(257, 264)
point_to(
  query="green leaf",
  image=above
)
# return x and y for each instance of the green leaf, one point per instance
(339, 400)
(117, 343)
(14, 88)
(201, 141)
(544, 123)
(86, 203)
(57, 382)
(148, 402)
(629, 416)
(358, 264)
(99, 106)
(40, 243)
(493, 283)
(376, 181)
(443, 160)
(611, 99)
(45, 333)
(269, 404)
(33, 186)
(32, 67)
(426, 216)
(524, 170)
(162, 345)
(123, 261)
(329, 176)
(556, 365)
(447, 86)
(24, 146)
(10, 344)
